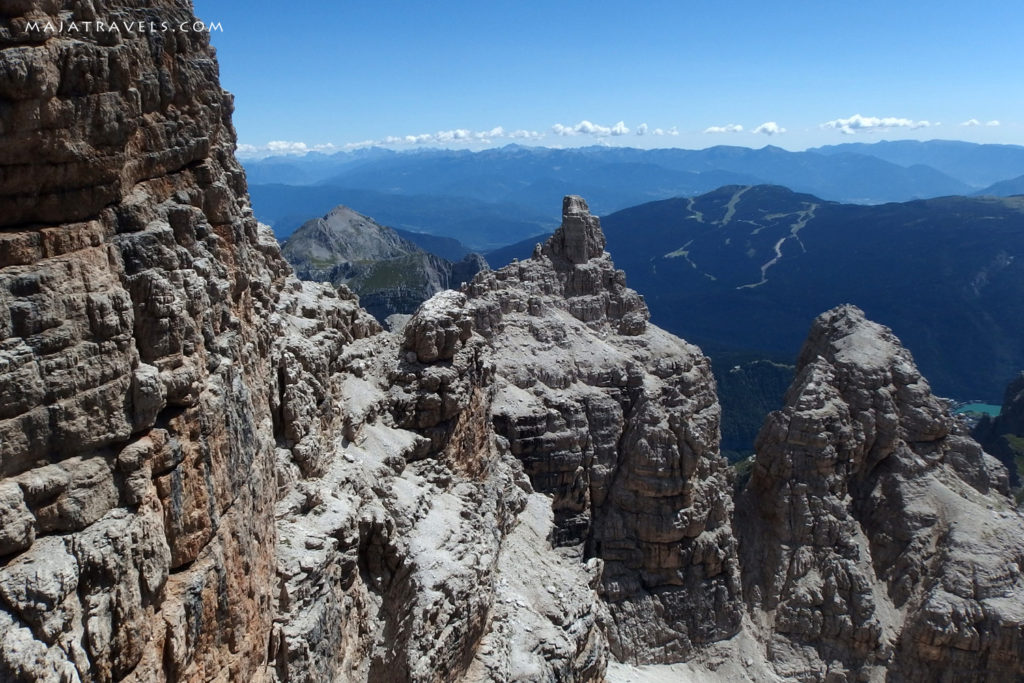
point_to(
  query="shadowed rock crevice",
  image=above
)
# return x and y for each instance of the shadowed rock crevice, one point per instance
(1003, 436)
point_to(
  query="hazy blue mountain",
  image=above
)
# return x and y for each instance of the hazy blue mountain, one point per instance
(536, 177)
(977, 165)
(849, 177)
(308, 169)
(525, 181)
(617, 177)
(743, 269)
(1004, 188)
(476, 224)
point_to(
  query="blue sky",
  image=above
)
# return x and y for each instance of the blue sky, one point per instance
(565, 73)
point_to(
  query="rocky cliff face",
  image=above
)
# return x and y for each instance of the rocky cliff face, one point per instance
(618, 421)
(389, 273)
(876, 537)
(211, 470)
(136, 432)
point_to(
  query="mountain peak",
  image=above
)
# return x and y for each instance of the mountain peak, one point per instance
(573, 204)
(580, 237)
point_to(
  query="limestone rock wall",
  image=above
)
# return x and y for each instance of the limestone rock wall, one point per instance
(136, 445)
(877, 538)
(210, 470)
(618, 422)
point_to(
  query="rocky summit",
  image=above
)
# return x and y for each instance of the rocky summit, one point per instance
(212, 470)
(390, 274)
(878, 538)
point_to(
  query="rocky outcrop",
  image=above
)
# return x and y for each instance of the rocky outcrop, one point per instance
(209, 469)
(136, 445)
(401, 544)
(390, 274)
(1003, 435)
(877, 539)
(618, 422)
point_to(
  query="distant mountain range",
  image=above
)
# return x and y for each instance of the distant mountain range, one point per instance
(974, 164)
(498, 196)
(1004, 188)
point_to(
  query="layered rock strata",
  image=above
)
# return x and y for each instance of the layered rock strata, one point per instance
(136, 432)
(211, 470)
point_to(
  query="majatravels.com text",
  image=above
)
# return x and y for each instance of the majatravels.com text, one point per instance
(66, 27)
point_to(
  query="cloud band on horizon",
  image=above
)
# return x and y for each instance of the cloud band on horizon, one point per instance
(858, 123)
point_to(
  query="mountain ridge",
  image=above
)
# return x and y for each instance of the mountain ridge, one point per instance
(942, 271)
(390, 274)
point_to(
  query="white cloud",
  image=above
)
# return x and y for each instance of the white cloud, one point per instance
(463, 136)
(770, 128)
(349, 146)
(971, 122)
(671, 131)
(287, 147)
(993, 122)
(728, 128)
(451, 135)
(592, 128)
(586, 127)
(872, 123)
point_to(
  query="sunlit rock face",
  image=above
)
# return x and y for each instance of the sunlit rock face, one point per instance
(136, 437)
(618, 421)
(208, 469)
(876, 536)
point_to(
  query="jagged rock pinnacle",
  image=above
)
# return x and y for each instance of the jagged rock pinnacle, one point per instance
(856, 482)
(579, 238)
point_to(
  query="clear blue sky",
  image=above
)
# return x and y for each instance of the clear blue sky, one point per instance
(340, 72)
